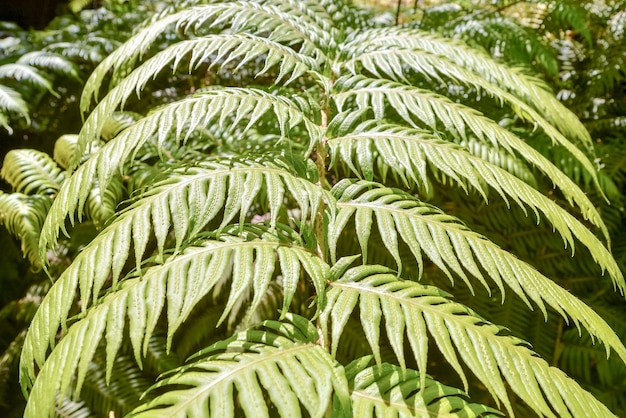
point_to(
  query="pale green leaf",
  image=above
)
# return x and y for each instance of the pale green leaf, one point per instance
(12, 101)
(387, 390)
(31, 172)
(497, 360)
(412, 153)
(204, 190)
(180, 283)
(191, 113)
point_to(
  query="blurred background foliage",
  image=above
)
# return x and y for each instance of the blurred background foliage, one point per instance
(577, 46)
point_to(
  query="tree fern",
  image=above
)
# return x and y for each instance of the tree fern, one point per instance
(328, 141)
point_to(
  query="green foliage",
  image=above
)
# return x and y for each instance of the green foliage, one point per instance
(280, 208)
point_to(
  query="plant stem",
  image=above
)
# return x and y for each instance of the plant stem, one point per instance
(320, 155)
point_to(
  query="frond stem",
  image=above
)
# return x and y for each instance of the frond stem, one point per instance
(320, 155)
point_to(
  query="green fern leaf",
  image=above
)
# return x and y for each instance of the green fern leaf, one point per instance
(203, 193)
(12, 101)
(409, 309)
(92, 50)
(301, 330)
(382, 61)
(225, 105)
(49, 61)
(23, 216)
(433, 111)
(276, 363)
(530, 89)
(221, 49)
(31, 172)
(387, 390)
(268, 19)
(192, 112)
(455, 250)
(411, 152)
(25, 73)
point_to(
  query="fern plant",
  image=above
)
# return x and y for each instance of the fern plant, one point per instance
(302, 201)
(19, 78)
(579, 50)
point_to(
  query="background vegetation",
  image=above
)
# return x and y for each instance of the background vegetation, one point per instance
(571, 48)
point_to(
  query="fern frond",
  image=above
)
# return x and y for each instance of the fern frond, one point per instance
(23, 216)
(410, 309)
(12, 101)
(277, 365)
(268, 19)
(225, 105)
(92, 50)
(455, 249)
(203, 193)
(49, 61)
(182, 117)
(411, 152)
(388, 390)
(300, 330)
(435, 111)
(31, 172)
(382, 61)
(25, 74)
(219, 49)
(530, 89)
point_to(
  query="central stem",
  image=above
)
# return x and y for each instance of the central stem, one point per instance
(320, 155)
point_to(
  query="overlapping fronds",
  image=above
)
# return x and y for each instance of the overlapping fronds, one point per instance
(220, 48)
(385, 54)
(272, 149)
(23, 216)
(268, 19)
(434, 111)
(28, 71)
(409, 309)
(49, 61)
(181, 117)
(326, 376)
(31, 172)
(387, 390)
(411, 153)
(276, 365)
(519, 84)
(202, 194)
(455, 250)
